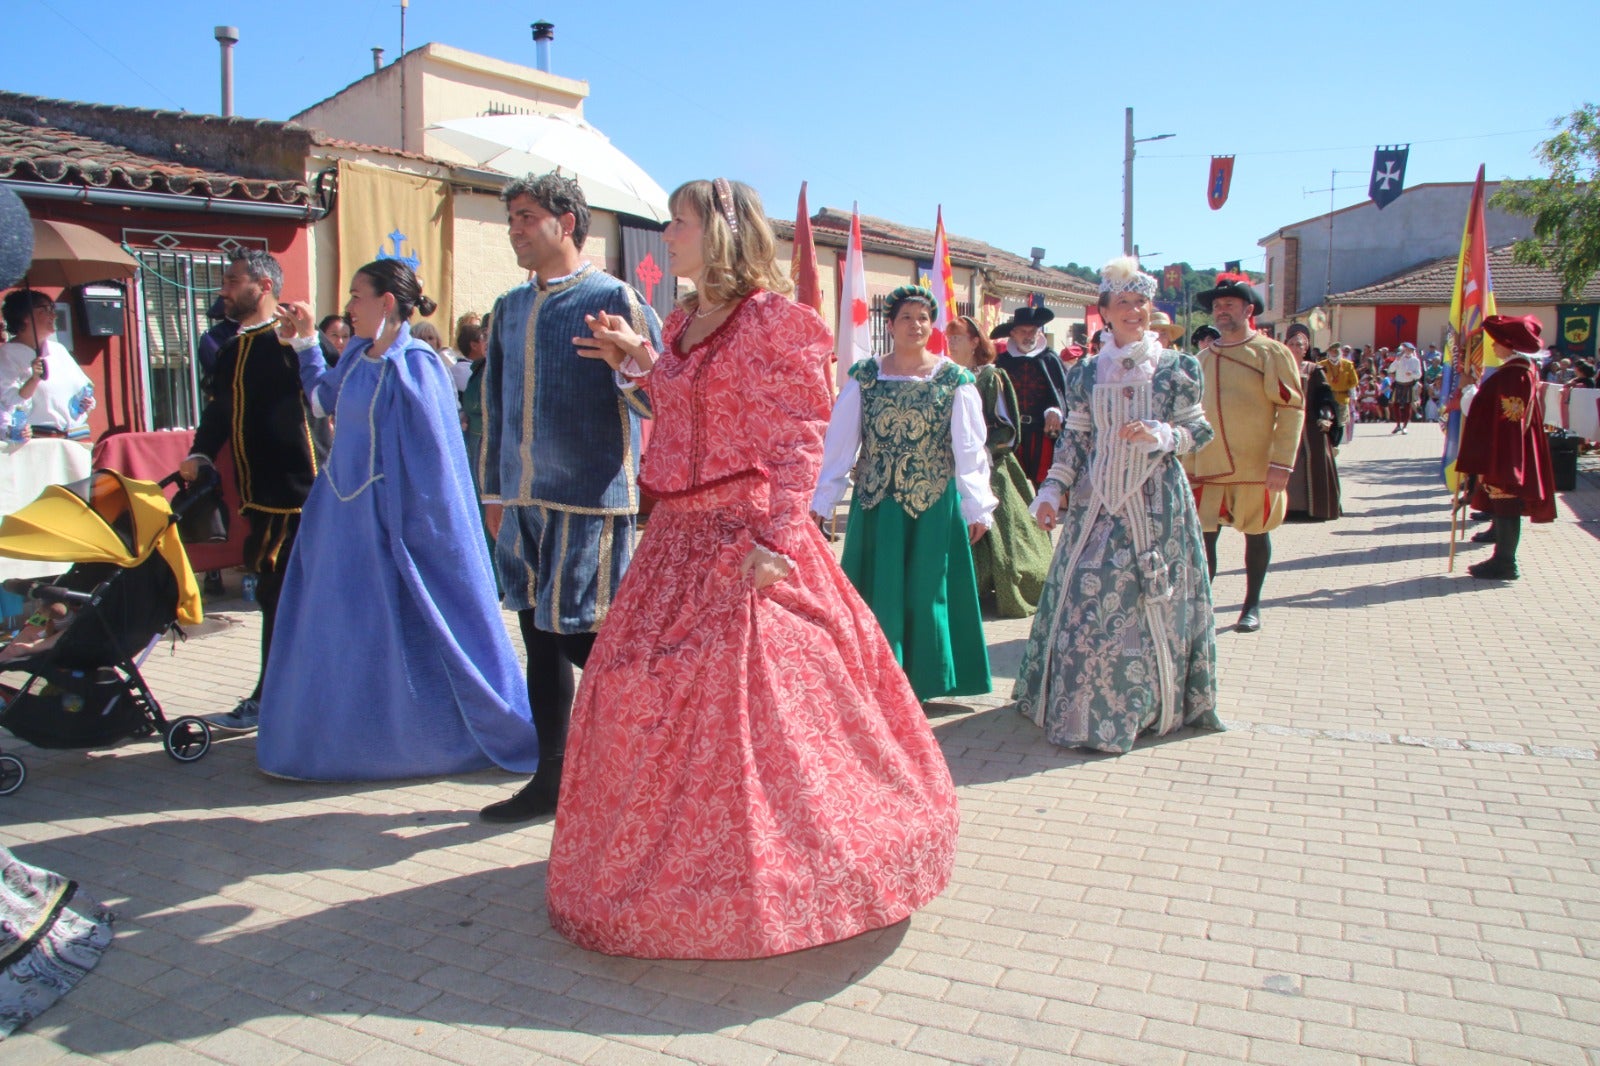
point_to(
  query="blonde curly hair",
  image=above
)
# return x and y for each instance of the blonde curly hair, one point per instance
(735, 264)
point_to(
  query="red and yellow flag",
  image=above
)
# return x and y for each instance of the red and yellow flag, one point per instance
(1471, 301)
(943, 286)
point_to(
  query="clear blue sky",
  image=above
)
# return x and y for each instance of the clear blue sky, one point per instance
(1009, 114)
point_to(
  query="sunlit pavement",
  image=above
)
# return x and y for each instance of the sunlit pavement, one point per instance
(1391, 855)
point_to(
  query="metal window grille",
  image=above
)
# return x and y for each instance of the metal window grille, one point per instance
(176, 288)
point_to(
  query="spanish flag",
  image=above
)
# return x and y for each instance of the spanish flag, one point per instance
(1471, 301)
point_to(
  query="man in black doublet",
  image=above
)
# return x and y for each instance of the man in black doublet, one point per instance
(1037, 373)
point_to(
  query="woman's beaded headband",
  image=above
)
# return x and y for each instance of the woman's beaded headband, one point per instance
(722, 193)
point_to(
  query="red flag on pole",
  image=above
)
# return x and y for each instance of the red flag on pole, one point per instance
(853, 340)
(944, 287)
(1219, 180)
(803, 265)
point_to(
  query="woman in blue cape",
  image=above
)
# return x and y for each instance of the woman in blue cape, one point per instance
(389, 657)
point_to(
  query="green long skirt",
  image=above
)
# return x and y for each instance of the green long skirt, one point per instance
(1013, 558)
(917, 576)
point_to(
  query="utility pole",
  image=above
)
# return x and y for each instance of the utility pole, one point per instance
(1128, 141)
(1327, 278)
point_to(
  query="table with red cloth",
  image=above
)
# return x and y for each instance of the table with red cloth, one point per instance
(153, 456)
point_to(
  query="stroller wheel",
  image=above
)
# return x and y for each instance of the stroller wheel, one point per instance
(187, 739)
(12, 774)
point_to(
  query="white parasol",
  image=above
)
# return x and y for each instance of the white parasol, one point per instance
(534, 144)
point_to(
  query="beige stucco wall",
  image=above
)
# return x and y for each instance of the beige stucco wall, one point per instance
(441, 83)
(1357, 325)
(367, 112)
(484, 264)
(457, 83)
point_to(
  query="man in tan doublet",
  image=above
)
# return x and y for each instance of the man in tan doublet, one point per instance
(1253, 400)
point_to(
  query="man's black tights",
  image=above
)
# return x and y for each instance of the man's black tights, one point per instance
(1257, 557)
(551, 657)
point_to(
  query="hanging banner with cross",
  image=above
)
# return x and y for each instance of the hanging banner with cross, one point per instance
(644, 254)
(387, 214)
(1388, 174)
(1219, 180)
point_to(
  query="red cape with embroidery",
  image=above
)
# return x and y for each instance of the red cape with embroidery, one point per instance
(1503, 441)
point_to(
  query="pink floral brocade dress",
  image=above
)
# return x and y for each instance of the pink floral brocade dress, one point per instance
(748, 772)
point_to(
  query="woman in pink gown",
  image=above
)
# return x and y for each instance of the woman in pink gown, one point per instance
(748, 771)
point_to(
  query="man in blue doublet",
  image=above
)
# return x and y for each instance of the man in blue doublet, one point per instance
(559, 461)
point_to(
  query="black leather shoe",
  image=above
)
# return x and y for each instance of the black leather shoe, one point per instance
(1249, 621)
(536, 799)
(1494, 570)
(1484, 536)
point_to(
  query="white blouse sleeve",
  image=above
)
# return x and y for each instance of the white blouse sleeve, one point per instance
(968, 435)
(839, 448)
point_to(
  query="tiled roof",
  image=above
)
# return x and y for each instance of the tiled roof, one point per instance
(832, 227)
(1432, 282)
(326, 140)
(68, 143)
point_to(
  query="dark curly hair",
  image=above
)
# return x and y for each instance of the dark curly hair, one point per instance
(558, 195)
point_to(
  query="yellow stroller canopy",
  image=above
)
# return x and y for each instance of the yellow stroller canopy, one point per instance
(106, 518)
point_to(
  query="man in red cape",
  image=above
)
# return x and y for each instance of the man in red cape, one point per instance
(1503, 443)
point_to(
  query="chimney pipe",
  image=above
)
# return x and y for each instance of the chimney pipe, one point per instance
(227, 37)
(377, 60)
(543, 34)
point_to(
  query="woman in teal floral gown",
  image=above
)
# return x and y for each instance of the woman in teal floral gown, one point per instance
(1124, 642)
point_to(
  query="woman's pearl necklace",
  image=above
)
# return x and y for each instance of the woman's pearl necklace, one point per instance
(709, 311)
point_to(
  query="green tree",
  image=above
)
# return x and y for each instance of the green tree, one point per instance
(1089, 274)
(1565, 207)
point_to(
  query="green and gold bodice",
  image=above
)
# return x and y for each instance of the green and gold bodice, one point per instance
(906, 452)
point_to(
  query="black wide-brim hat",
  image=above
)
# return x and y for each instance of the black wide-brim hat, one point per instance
(1022, 316)
(1248, 293)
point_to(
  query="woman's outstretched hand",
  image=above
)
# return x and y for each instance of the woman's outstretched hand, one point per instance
(294, 319)
(614, 341)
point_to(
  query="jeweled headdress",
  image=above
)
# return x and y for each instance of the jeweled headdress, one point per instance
(1124, 275)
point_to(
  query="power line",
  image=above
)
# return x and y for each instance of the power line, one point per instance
(1355, 147)
(118, 59)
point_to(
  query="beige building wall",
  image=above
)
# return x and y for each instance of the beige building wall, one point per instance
(1357, 325)
(484, 263)
(1354, 325)
(367, 112)
(441, 83)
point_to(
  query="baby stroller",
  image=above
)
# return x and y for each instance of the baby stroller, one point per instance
(130, 583)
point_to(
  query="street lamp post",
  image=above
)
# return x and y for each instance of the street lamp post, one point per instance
(1128, 141)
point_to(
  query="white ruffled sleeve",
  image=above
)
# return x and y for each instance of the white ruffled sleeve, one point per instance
(839, 449)
(968, 438)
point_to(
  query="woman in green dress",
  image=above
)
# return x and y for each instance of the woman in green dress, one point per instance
(910, 426)
(1013, 559)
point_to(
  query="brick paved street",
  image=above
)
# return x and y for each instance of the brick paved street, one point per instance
(1393, 856)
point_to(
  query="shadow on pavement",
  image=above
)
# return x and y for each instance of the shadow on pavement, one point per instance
(999, 744)
(1440, 525)
(475, 949)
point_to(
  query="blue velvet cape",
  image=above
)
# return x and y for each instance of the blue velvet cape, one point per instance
(389, 658)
